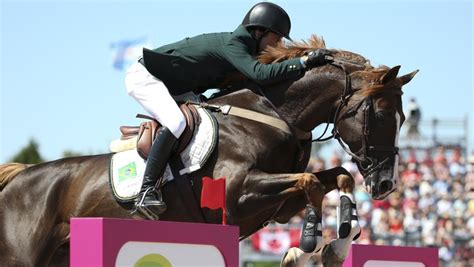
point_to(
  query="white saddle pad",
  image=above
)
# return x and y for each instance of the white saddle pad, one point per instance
(127, 167)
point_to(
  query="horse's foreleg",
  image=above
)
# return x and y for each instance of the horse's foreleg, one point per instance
(56, 250)
(311, 240)
(271, 191)
(348, 227)
(264, 191)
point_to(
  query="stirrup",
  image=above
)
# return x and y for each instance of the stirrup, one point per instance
(147, 212)
(139, 202)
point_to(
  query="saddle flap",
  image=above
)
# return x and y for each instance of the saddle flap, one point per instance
(127, 166)
(146, 135)
(192, 121)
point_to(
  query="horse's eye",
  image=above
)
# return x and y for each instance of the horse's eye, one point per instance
(380, 118)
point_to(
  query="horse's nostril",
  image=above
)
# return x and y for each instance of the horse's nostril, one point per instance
(385, 186)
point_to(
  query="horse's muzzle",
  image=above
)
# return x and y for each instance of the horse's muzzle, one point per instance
(380, 183)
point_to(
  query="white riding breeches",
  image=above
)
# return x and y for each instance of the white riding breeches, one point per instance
(155, 98)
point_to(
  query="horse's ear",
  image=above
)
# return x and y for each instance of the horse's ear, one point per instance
(407, 77)
(390, 75)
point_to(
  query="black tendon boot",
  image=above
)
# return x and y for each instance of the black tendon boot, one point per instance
(310, 232)
(348, 212)
(149, 201)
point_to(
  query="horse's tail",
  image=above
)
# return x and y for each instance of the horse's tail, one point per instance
(9, 171)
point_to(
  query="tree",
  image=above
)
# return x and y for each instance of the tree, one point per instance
(29, 154)
(70, 153)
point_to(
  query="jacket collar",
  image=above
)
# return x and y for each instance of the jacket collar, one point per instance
(245, 37)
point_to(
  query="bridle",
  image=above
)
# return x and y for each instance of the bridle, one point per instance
(365, 162)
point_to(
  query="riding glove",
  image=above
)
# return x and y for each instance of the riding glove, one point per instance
(317, 58)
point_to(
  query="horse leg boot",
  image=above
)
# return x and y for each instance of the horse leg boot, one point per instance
(349, 228)
(311, 240)
(311, 236)
(149, 201)
(349, 224)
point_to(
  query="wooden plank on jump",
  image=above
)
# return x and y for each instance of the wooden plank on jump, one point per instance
(123, 242)
(391, 256)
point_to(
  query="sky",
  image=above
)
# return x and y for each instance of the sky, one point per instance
(59, 87)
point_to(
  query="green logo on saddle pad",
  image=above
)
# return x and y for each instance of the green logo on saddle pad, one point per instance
(128, 171)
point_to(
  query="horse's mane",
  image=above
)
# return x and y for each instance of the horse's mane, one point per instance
(298, 49)
(8, 171)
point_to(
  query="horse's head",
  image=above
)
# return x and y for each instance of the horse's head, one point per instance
(367, 116)
(368, 120)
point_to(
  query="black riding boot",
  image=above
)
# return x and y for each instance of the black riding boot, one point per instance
(149, 200)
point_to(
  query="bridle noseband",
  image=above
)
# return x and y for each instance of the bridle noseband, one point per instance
(366, 164)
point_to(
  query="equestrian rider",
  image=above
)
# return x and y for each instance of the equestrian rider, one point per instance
(200, 63)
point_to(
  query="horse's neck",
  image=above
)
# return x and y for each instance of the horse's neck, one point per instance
(304, 104)
(247, 99)
(308, 102)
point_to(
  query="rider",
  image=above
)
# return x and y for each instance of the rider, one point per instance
(200, 63)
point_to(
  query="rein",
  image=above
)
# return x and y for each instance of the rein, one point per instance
(346, 95)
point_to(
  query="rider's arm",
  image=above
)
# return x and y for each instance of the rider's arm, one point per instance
(240, 56)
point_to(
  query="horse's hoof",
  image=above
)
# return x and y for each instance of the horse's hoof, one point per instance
(289, 259)
(330, 258)
(295, 257)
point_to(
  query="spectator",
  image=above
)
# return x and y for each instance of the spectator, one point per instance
(315, 165)
(413, 119)
(434, 206)
(456, 165)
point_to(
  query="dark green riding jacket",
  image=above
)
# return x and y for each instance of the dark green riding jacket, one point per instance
(208, 60)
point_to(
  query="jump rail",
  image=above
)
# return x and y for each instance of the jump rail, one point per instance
(391, 256)
(120, 242)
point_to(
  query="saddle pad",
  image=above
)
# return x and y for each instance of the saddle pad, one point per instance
(127, 167)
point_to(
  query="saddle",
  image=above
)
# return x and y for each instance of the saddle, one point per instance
(146, 132)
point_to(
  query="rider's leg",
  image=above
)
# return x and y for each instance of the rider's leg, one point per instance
(147, 200)
(154, 97)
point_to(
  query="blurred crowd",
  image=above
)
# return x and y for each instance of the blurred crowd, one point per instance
(433, 206)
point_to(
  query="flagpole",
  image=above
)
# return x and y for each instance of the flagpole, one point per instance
(224, 217)
(224, 221)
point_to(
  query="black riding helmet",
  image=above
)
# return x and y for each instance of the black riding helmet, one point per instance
(269, 16)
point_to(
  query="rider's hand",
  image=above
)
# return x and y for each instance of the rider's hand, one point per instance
(317, 58)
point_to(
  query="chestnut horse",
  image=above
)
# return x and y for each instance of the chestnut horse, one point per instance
(264, 166)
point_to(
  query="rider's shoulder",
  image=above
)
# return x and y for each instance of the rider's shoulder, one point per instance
(241, 35)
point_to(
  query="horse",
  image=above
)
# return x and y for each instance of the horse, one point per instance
(263, 165)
